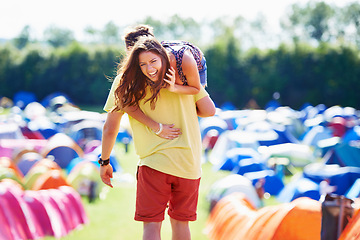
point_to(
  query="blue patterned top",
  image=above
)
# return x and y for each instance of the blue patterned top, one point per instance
(178, 48)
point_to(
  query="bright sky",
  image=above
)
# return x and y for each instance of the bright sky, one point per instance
(75, 15)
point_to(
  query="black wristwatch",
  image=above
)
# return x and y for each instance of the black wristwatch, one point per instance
(104, 162)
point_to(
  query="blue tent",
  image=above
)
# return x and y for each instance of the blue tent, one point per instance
(341, 177)
(48, 99)
(23, 98)
(344, 155)
(273, 183)
(300, 187)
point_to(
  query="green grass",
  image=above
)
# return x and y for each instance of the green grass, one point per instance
(112, 217)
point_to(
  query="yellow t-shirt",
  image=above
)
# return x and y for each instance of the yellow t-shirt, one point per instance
(180, 157)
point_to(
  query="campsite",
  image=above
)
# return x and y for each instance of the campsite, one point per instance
(280, 158)
(268, 168)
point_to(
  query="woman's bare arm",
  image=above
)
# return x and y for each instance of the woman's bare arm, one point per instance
(205, 107)
(191, 72)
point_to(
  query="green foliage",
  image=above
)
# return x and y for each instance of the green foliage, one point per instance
(319, 66)
(58, 37)
(80, 71)
(301, 73)
(23, 39)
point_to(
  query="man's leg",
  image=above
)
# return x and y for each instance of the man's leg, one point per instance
(180, 230)
(152, 231)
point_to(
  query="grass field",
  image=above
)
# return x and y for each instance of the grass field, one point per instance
(112, 217)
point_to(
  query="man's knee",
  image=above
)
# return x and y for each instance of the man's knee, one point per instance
(178, 223)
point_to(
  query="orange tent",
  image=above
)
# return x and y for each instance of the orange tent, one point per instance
(51, 179)
(48, 163)
(229, 215)
(352, 229)
(300, 219)
(38, 169)
(8, 163)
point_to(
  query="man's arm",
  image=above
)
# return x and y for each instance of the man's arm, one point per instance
(205, 107)
(110, 132)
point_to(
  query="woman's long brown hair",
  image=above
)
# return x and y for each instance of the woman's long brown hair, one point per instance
(133, 83)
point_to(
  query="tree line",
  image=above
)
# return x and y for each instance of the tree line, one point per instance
(315, 62)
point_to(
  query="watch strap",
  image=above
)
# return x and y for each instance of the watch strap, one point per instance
(104, 162)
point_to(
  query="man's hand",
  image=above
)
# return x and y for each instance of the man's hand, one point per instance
(106, 173)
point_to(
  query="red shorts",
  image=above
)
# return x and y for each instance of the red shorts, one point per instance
(156, 189)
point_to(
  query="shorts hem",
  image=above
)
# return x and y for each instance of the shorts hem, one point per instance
(183, 219)
(144, 219)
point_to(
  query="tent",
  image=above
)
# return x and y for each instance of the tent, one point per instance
(233, 156)
(315, 134)
(341, 177)
(58, 210)
(34, 110)
(63, 149)
(10, 131)
(27, 161)
(50, 179)
(78, 210)
(37, 205)
(66, 207)
(85, 131)
(229, 140)
(23, 98)
(299, 187)
(212, 123)
(13, 147)
(52, 99)
(344, 155)
(228, 216)
(298, 154)
(38, 169)
(268, 134)
(273, 182)
(352, 229)
(352, 134)
(230, 184)
(21, 220)
(8, 163)
(233, 218)
(8, 173)
(84, 178)
(70, 118)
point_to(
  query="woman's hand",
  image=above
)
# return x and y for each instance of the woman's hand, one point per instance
(171, 81)
(169, 132)
(106, 173)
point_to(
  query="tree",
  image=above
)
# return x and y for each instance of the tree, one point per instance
(58, 37)
(351, 16)
(111, 33)
(23, 39)
(92, 34)
(313, 21)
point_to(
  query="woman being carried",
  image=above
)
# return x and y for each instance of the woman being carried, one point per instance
(189, 65)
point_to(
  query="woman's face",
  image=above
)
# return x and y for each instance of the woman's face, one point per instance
(150, 64)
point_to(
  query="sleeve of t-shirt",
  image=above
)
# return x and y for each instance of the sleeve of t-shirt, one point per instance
(203, 93)
(110, 101)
